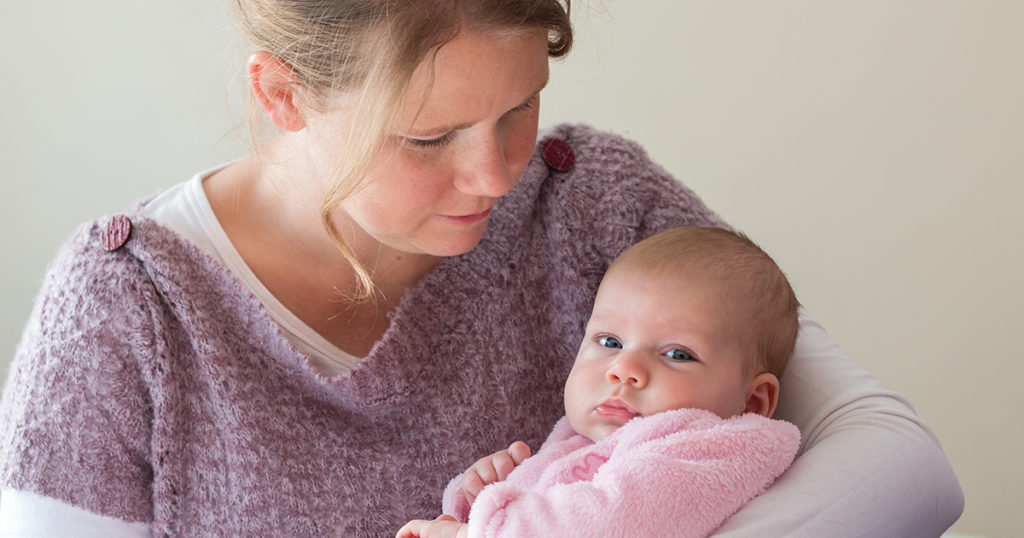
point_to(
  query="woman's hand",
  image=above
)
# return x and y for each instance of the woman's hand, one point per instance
(442, 527)
(493, 468)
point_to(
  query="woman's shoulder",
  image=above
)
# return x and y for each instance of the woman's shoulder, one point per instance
(588, 151)
(126, 293)
(119, 246)
(92, 277)
(118, 267)
(592, 137)
(600, 190)
(614, 177)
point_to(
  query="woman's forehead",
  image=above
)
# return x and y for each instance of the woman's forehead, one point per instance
(474, 76)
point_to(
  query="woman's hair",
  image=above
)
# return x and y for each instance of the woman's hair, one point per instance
(372, 48)
(756, 299)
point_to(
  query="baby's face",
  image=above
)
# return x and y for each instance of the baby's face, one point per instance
(653, 344)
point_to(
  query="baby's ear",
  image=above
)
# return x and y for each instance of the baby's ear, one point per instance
(763, 394)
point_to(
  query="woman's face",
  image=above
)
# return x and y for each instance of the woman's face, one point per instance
(469, 126)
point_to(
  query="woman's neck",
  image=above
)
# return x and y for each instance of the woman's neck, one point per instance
(269, 206)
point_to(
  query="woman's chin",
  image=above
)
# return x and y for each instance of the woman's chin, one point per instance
(455, 244)
(454, 248)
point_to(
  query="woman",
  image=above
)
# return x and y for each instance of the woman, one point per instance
(314, 339)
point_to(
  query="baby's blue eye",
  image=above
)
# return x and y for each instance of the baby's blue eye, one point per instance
(680, 355)
(609, 341)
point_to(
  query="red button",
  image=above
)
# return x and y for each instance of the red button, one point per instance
(115, 235)
(558, 154)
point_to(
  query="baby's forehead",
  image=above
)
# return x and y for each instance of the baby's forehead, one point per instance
(728, 298)
(674, 275)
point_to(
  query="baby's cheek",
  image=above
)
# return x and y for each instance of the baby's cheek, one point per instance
(574, 392)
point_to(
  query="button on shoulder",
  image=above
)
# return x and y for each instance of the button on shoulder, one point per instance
(558, 154)
(116, 233)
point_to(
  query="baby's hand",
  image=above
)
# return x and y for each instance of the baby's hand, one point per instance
(442, 527)
(493, 468)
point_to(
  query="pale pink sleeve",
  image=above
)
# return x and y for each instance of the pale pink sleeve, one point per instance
(654, 484)
(454, 501)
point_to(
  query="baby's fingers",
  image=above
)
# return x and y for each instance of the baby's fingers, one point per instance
(519, 451)
(472, 484)
(503, 464)
(412, 529)
(507, 460)
(493, 468)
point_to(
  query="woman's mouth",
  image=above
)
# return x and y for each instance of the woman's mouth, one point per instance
(467, 220)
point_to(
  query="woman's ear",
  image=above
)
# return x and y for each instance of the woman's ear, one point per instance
(273, 83)
(763, 394)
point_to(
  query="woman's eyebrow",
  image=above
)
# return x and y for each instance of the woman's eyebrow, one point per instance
(456, 127)
(544, 84)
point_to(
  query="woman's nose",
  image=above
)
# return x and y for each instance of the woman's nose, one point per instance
(486, 171)
(628, 368)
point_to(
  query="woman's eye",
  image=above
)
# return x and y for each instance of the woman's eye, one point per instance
(680, 355)
(609, 341)
(527, 105)
(432, 142)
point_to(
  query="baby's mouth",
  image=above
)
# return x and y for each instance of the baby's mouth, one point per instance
(616, 409)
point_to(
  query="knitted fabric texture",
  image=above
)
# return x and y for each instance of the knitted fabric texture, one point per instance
(151, 386)
(678, 473)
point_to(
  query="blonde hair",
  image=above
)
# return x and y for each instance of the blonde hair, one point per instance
(757, 299)
(373, 47)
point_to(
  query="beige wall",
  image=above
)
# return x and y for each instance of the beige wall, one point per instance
(875, 148)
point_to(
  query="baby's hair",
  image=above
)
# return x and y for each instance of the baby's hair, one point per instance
(373, 47)
(756, 293)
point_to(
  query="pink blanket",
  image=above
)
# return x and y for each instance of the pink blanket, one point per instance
(678, 473)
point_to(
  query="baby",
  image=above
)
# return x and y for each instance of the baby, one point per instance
(667, 428)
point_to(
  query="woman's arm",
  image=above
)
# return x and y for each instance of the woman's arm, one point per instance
(75, 415)
(869, 466)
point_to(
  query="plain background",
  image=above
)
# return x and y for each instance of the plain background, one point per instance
(874, 148)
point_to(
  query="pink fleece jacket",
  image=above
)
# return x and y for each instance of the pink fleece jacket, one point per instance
(678, 473)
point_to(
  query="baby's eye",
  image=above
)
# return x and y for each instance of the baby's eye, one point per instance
(680, 355)
(609, 341)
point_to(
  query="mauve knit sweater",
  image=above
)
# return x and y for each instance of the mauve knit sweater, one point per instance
(150, 385)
